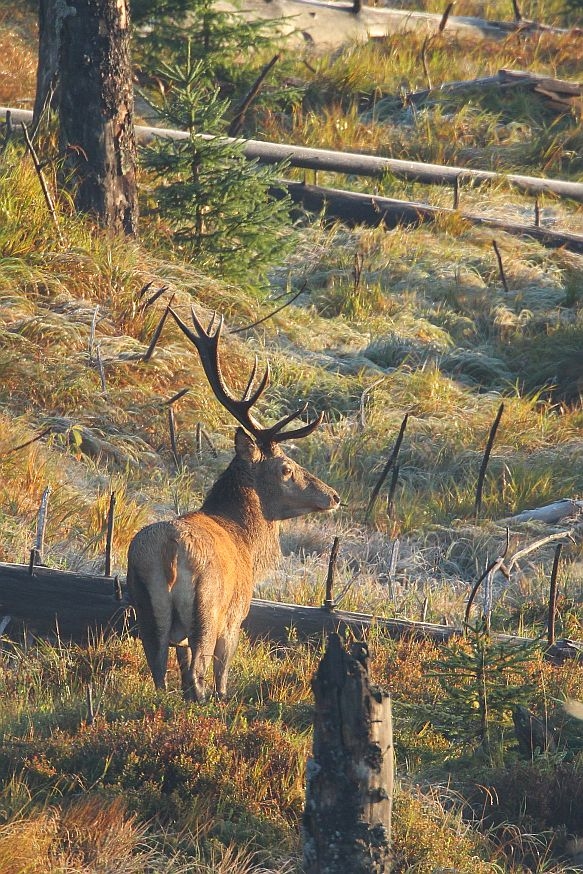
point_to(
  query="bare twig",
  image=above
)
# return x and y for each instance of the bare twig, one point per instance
(553, 595)
(177, 396)
(92, 334)
(89, 700)
(208, 442)
(500, 265)
(173, 444)
(265, 318)
(390, 462)
(158, 330)
(28, 443)
(329, 602)
(43, 183)
(497, 564)
(445, 16)
(424, 61)
(485, 460)
(155, 296)
(239, 119)
(363, 400)
(100, 368)
(526, 550)
(145, 288)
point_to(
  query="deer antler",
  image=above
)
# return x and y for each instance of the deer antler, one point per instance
(207, 345)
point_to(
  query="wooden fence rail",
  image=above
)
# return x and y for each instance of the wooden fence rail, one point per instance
(361, 165)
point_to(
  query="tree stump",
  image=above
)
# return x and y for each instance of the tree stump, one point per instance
(347, 817)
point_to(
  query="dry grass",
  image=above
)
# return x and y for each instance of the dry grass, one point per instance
(423, 327)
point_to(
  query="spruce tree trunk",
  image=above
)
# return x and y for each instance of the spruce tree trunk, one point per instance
(347, 818)
(96, 110)
(50, 14)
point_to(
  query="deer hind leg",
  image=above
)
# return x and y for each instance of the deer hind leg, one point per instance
(184, 658)
(156, 643)
(154, 623)
(194, 674)
(224, 652)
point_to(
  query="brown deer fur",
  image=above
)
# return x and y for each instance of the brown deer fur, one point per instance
(191, 579)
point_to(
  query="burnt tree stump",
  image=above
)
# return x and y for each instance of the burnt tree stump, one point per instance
(347, 818)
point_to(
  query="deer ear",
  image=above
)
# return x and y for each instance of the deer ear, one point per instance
(246, 447)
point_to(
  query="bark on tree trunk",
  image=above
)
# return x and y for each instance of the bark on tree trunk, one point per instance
(50, 15)
(347, 817)
(96, 111)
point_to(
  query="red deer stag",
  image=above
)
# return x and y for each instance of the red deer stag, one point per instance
(191, 579)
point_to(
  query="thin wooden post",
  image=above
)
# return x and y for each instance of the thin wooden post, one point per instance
(553, 595)
(485, 460)
(500, 266)
(109, 537)
(173, 443)
(36, 553)
(347, 817)
(329, 602)
(392, 460)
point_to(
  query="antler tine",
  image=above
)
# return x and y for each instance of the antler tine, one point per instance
(276, 435)
(207, 346)
(247, 392)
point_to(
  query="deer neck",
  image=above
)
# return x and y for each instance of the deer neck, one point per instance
(234, 499)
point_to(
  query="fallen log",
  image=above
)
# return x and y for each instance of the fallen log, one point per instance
(56, 604)
(551, 514)
(561, 93)
(325, 26)
(354, 208)
(353, 164)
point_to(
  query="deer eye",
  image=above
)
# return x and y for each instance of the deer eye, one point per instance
(287, 471)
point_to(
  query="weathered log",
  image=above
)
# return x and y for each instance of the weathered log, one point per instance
(325, 26)
(551, 513)
(52, 603)
(347, 817)
(76, 607)
(355, 208)
(557, 90)
(362, 165)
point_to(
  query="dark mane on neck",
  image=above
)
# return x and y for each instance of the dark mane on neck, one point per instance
(229, 496)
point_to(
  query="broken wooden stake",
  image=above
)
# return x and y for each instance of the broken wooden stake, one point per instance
(389, 464)
(36, 553)
(238, 121)
(329, 602)
(173, 443)
(500, 265)
(109, 536)
(346, 825)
